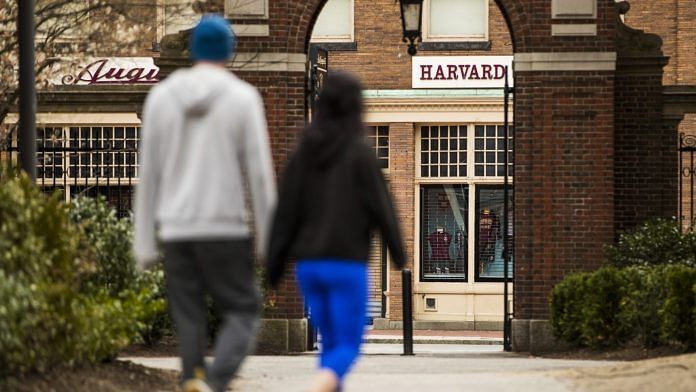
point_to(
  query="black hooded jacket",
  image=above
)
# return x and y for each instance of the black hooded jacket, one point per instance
(332, 196)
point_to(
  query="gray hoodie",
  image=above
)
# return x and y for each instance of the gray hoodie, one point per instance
(201, 126)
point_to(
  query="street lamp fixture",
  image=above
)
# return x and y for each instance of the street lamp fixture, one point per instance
(411, 19)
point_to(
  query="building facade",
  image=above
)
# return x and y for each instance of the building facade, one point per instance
(436, 121)
(595, 133)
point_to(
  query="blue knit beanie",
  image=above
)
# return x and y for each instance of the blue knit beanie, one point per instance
(212, 39)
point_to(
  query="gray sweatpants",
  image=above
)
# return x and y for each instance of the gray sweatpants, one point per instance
(225, 270)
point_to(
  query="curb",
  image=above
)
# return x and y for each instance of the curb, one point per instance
(434, 340)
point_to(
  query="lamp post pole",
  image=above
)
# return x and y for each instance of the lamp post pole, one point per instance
(27, 87)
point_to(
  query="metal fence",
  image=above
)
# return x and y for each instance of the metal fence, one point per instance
(687, 181)
(83, 160)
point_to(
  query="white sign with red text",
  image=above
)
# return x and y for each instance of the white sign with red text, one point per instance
(461, 71)
(114, 70)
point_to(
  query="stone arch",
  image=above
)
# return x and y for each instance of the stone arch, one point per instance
(307, 13)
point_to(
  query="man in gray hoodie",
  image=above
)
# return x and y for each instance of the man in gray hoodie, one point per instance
(202, 127)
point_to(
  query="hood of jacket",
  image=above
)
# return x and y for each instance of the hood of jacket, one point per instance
(197, 88)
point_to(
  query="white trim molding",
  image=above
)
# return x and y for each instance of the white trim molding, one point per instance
(574, 9)
(282, 62)
(77, 118)
(565, 30)
(245, 9)
(251, 30)
(565, 61)
(434, 110)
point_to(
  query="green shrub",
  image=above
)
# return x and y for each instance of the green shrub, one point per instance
(613, 307)
(35, 325)
(55, 308)
(604, 321)
(156, 322)
(109, 238)
(645, 294)
(110, 241)
(37, 241)
(677, 313)
(567, 307)
(587, 309)
(656, 242)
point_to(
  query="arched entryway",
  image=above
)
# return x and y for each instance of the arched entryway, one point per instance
(564, 147)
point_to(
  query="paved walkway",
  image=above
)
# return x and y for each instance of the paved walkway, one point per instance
(436, 367)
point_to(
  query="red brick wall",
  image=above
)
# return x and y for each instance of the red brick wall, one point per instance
(674, 22)
(565, 157)
(564, 126)
(283, 96)
(564, 186)
(646, 157)
(381, 60)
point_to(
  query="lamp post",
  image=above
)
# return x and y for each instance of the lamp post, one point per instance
(411, 19)
(27, 87)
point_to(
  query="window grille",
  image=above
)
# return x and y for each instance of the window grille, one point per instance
(443, 151)
(378, 138)
(489, 151)
(87, 152)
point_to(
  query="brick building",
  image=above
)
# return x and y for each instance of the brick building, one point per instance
(673, 21)
(595, 134)
(438, 133)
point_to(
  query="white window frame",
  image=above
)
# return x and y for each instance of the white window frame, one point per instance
(68, 163)
(470, 180)
(453, 38)
(376, 145)
(338, 38)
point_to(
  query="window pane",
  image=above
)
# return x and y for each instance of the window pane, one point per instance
(458, 17)
(444, 232)
(334, 20)
(489, 231)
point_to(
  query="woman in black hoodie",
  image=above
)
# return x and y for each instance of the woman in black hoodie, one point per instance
(332, 196)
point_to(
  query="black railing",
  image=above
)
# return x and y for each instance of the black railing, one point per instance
(687, 181)
(83, 160)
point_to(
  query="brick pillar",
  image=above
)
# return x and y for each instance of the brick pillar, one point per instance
(401, 174)
(646, 158)
(564, 180)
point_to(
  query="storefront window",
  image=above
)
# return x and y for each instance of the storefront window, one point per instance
(489, 232)
(444, 238)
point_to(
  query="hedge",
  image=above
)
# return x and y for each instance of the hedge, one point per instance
(612, 307)
(55, 309)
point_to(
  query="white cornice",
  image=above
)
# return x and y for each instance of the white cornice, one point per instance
(434, 110)
(565, 61)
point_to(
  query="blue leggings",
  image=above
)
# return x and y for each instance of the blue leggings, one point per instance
(336, 292)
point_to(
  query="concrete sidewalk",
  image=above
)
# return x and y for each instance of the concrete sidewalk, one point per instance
(437, 367)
